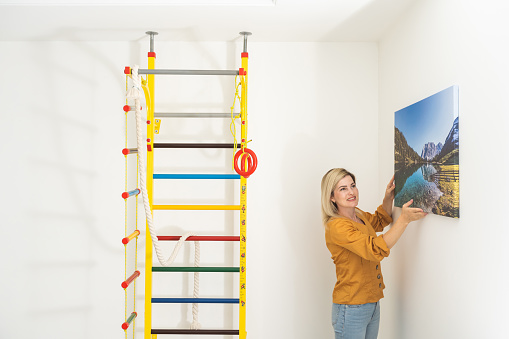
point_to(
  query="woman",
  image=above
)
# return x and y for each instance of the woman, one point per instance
(356, 250)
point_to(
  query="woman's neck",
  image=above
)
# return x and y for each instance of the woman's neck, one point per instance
(348, 213)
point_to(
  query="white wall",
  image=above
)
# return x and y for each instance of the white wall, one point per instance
(447, 278)
(312, 106)
(60, 219)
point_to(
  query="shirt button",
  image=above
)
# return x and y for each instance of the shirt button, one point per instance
(379, 276)
(376, 266)
(380, 285)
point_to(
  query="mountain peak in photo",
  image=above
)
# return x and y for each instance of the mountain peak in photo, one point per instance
(430, 150)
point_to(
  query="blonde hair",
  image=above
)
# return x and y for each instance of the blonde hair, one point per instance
(329, 183)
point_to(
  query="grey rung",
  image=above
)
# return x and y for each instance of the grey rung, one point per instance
(187, 72)
(195, 115)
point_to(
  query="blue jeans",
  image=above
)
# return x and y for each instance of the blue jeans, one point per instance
(356, 321)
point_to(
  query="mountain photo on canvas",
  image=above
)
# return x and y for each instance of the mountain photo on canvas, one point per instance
(426, 154)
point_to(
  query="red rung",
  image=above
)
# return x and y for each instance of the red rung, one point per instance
(129, 280)
(200, 238)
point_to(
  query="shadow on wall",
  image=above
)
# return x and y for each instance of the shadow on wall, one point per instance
(304, 236)
(61, 202)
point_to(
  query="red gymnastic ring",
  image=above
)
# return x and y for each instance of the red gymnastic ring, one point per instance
(252, 162)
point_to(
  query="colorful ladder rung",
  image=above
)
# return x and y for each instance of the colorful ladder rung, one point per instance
(196, 269)
(195, 332)
(130, 237)
(129, 320)
(195, 115)
(196, 176)
(195, 300)
(128, 194)
(200, 238)
(129, 280)
(186, 71)
(197, 207)
(193, 145)
(127, 151)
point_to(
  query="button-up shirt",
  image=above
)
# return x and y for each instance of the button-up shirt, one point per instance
(357, 251)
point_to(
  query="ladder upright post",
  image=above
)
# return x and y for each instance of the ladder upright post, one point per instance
(243, 195)
(150, 184)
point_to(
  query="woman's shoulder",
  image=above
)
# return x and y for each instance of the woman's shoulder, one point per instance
(338, 222)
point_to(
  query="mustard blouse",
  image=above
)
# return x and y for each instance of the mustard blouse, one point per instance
(357, 251)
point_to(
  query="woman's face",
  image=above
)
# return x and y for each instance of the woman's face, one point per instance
(346, 194)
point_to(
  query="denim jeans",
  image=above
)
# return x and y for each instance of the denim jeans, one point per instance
(356, 321)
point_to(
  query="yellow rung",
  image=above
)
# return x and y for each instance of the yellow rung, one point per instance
(196, 207)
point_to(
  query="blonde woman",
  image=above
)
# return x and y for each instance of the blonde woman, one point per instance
(356, 250)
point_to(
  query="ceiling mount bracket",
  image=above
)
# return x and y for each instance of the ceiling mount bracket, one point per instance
(245, 34)
(152, 34)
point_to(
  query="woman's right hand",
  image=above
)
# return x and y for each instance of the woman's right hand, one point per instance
(409, 214)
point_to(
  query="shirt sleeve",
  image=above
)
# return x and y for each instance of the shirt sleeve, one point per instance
(343, 233)
(378, 220)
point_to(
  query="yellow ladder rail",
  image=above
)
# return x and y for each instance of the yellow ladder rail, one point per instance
(243, 195)
(150, 187)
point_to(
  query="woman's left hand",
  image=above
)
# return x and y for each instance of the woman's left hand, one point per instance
(389, 197)
(389, 191)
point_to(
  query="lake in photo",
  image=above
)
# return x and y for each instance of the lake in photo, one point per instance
(433, 187)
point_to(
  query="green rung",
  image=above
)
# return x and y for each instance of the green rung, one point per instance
(195, 269)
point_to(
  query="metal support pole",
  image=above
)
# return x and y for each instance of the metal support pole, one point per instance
(152, 34)
(245, 34)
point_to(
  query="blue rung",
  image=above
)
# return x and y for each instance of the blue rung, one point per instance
(196, 176)
(195, 300)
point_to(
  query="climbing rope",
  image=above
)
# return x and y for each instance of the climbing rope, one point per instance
(135, 94)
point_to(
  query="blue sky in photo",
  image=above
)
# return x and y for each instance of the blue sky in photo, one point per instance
(428, 120)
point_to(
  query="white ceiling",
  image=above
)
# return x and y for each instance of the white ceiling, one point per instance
(128, 20)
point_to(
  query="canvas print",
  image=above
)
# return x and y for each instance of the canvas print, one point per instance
(426, 154)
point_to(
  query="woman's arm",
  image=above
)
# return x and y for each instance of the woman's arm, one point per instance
(408, 214)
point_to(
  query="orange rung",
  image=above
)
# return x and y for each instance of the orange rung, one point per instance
(130, 237)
